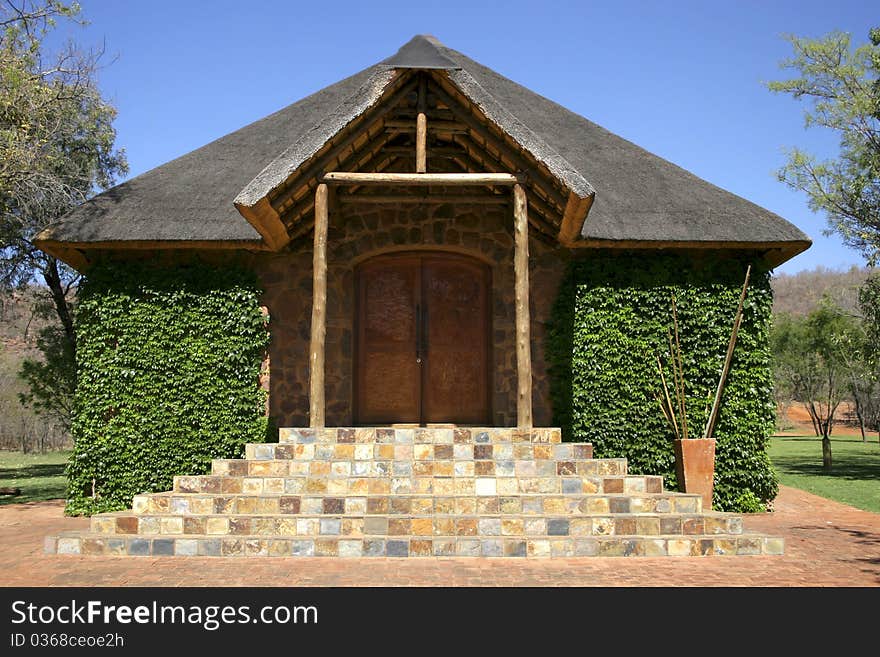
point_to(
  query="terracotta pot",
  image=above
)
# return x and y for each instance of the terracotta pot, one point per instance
(695, 467)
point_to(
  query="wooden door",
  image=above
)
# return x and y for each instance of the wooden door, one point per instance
(422, 352)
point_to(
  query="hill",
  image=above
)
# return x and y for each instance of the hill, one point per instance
(799, 293)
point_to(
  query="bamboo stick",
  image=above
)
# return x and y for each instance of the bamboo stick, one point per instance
(737, 321)
(682, 401)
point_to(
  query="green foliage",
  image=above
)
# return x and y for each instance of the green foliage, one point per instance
(168, 367)
(51, 382)
(609, 323)
(869, 304)
(841, 86)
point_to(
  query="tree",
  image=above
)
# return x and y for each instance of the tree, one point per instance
(869, 304)
(809, 359)
(56, 150)
(842, 89)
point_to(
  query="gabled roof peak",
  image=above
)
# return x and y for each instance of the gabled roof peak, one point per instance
(420, 52)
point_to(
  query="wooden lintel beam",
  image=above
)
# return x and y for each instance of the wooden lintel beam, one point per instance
(446, 179)
(475, 199)
(521, 300)
(436, 126)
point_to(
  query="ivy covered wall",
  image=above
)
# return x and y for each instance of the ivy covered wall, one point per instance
(609, 323)
(168, 363)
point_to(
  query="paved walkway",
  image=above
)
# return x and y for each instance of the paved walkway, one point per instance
(827, 544)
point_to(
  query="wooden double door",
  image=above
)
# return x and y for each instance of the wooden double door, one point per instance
(422, 339)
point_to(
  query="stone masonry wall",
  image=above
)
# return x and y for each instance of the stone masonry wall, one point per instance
(358, 232)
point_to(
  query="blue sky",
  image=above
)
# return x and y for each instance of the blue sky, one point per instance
(681, 79)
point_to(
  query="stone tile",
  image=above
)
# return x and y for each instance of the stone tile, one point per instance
(351, 548)
(481, 437)
(484, 468)
(400, 505)
(485, 487)
(467, 548)
(345, 435)
(647, 526)
(135, 546)
(679, 547)
(421, 548)
(466, 527)
(307, 526)
(624, 526)
(444, 548)
(422, 527)
(488, 505)
(773, 546)
(463, 452)
(491, 547)
(572, 486)
(334, 505)
(356, 505)
(489, 526)
(163, 547)
(397, 548)
(586, 547)
(748, 545)
(386, 436)
(402, 468)
(374, 548)
(514, 548)
(532, 506)
(692, 526)
(330, 526)
(538, 548)
(444, 526)
(302, 548)
(483, 452)
(504, 468)
(619, 504)
(462, 436)
(557, 527)
(186, 547)
(398, 526)
(312, 505)
(507, 486)
(194, 525)
(512, 526)
(509, 505)
(403, 436)
(326, 548)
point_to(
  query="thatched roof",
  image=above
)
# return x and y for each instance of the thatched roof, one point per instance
(639, 198)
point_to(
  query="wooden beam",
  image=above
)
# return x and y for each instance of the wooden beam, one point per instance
(266, 221)
(521, 296)
(573, 220)
(474, 199)
(319, 311)
(406, 125)
(322, 160)
(297, 208)
(465, 116)
(447, 179)
(421, 130)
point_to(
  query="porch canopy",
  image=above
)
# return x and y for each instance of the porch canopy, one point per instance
(427, 125)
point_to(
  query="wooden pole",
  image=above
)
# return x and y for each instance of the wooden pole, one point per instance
(422, 130)
(523, 337)
(449, 179)
(737, 321)
(319, 310)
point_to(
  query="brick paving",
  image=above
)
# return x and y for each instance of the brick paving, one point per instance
(827, 544)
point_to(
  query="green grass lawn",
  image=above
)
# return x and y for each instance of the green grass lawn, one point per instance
(854, 478)
(40, 476)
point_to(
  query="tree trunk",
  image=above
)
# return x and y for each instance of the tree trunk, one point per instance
(826, 452)
(814, 418)
(59, 299)
(860, 417)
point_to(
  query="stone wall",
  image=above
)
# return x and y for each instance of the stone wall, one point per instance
(358, 232)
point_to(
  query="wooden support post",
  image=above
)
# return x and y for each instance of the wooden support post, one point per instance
(523, 334)
(422, 129)
(397, 179)
(319, 310)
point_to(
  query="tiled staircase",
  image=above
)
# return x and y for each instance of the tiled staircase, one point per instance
(417, 492)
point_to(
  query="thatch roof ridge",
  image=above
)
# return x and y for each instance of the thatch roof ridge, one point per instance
(351, 107)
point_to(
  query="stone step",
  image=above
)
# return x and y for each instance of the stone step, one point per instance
(316, 526)
(530, 504)
(419, 452)
(522, 467)
(422, 435)
(414, 546)
(338, 482)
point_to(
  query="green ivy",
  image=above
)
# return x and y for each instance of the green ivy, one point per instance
(168, 363)
(610, 322)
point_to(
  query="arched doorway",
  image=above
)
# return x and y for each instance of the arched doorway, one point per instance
(422, 327)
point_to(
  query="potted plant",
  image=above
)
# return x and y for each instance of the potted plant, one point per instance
(694, 455)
